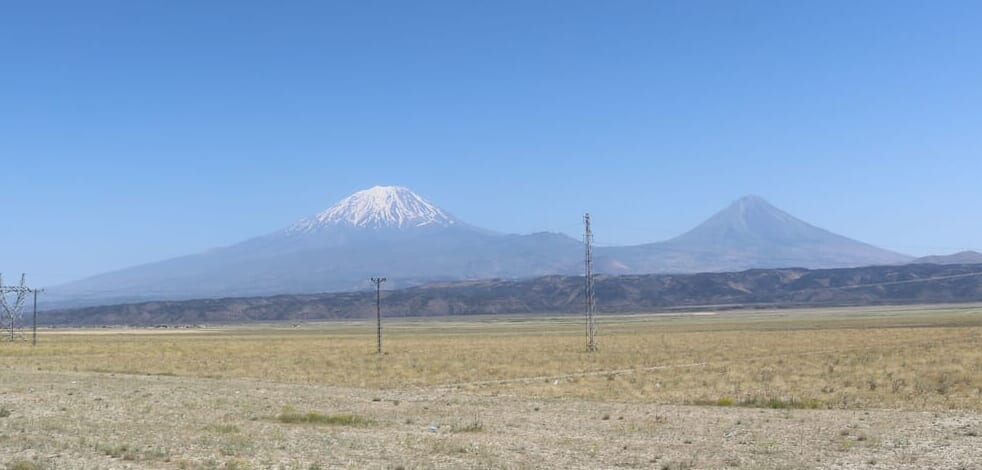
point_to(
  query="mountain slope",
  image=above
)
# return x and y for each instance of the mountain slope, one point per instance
(750, 233)
(383, 230)
(391, 231)
(962, 257)
(924, 283)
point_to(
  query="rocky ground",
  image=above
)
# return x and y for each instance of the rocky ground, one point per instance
(92, 420)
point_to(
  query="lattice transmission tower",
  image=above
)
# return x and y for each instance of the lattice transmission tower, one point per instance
(378, 310)
(13, 312)
(591, 298)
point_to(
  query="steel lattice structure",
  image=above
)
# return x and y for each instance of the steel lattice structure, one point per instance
(14, 312)
(591, 299)
(378, 309)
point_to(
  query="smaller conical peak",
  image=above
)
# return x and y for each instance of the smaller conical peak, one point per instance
(751, 200)
(754, 209)
(751, 218)
(752, 203)
(379, 207)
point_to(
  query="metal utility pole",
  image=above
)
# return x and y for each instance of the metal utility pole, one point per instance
(34, 335)
(591, 300)
(378, 309)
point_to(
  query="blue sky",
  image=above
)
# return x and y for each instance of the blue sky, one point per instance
(136, 131)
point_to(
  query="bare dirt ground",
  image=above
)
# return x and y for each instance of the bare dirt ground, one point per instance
(99, 418)
(87, 421)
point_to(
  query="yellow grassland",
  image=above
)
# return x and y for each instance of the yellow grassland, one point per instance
(922, 358)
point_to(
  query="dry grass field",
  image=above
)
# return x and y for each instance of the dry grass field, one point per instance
(884, 387)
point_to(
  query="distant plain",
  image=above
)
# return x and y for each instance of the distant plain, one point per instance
(872, 387)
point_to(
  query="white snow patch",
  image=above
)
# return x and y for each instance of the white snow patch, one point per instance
(379, 207)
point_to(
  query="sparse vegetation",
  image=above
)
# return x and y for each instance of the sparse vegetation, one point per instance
(778, 403)
(823, 361)
(223, 428)
(290, 415)
(212, 399)
(678, 465)
(25, 465)
(123, 451)
(469, 426)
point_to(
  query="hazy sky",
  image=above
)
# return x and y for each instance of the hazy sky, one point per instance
(132, 131)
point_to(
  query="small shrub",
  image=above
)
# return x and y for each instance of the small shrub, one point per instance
(4, 412)
(289, 415)
(810, 404)
(473, 426)
(124, 451)
(724, 401)
(156, 453)
(235, 465)
(339, 419)
(223, 428)
(777, 404)
(682, 465)
(23, 465)
(781, 403)
(846, 444)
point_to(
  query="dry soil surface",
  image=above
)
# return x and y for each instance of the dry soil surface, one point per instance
(76, 420)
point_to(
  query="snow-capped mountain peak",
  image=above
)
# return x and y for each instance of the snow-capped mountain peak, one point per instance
(379, 207)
